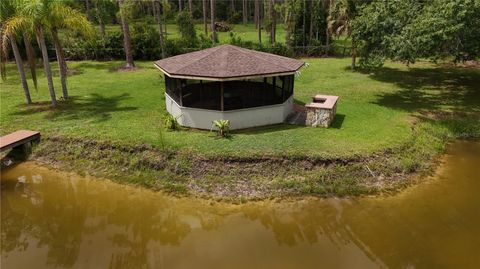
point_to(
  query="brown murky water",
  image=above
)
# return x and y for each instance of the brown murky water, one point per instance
(58, 220)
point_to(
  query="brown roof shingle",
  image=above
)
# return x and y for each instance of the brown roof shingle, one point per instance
(227, 61)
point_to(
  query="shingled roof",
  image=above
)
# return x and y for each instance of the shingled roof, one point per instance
(227, 62)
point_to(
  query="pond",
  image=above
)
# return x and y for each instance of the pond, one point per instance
(51, 219)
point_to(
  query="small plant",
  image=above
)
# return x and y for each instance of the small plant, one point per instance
(223, 127)
(171, 122)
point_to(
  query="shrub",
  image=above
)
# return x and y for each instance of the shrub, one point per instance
(146, 42)
(223, 127)
(234, 17)
(186, 27)
(171, 122)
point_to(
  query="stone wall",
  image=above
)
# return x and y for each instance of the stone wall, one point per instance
(320, 116)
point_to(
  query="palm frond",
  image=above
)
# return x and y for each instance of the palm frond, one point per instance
(65, 17)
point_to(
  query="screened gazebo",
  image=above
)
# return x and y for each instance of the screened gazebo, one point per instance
(249, 88)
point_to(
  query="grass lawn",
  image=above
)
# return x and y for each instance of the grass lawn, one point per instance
(375, 110)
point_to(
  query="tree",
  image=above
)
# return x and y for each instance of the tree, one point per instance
(190, 8)
(245, 11)
(31, 57)
(205, 26)
(342, 14)
(186, 26)
(101, 14)
(157, 7)
(34, 15)
(290, 9)
(405, 30)
(19, 61)
(61, 16)
(272, 20)
(258, 20)
(6, 12)
(127, 40)
(212, 21)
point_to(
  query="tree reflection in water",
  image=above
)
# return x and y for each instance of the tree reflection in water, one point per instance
(90, 223)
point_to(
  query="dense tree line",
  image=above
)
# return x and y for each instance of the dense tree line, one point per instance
(401, 30)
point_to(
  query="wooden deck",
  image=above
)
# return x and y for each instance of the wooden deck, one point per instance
(17, 138)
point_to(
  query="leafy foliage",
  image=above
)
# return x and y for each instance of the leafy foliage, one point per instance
(406, 30)
(186, 27)
(223, 127)
(171, 122)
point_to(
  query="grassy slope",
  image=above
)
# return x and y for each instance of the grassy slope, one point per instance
(374, 111)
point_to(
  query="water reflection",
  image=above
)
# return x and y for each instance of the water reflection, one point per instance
(60, 220)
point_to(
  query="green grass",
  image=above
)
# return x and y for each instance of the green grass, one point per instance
(375, 110)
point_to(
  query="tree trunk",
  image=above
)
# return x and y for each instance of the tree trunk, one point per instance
(212, 18)
(312, 19)
(304, 34)
(273, 20)
(259, 21)
(101, 23)
(354, 54)
(244, 11)
(46, 63)
(156, 14)
(87, 9)
(21, 71)
(205, 25)
(255, 14)
(180, 8)
(3, 59)
(127, 42)
(32, 59)
(232, 5)
(190, 8)
(62, 65)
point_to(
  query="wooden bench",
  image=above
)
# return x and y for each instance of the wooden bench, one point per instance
(18, 138)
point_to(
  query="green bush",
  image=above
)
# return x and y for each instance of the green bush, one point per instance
(171, 123)
(186, 26)
(234, 17)
(146, 42)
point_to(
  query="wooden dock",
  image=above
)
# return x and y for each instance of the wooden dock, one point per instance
(18, 138)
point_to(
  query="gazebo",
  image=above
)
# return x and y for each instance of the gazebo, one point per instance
(249, 88)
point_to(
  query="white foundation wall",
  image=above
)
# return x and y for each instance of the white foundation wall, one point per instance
(239, 119)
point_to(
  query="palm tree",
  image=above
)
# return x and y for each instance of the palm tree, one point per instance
(7, 11)
(212, 18)
(64, 17)
(33, 14)
(127, 42)
(21, 71)
(31, 57)
(342, 13)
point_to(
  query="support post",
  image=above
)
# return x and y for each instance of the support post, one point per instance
(221, 96)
